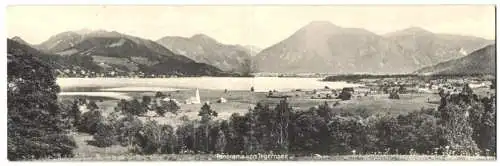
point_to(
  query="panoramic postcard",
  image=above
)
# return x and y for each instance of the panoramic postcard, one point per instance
(252, 83)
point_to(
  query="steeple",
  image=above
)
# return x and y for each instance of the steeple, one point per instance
(197, 96)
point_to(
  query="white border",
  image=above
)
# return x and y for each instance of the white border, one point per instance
(3, 138)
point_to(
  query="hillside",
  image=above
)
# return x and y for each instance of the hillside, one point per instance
(481, 61)
(20, 40)
(433, 48)
(323, 47)
(105, 52)
(204, 49)
(253, 50)
(54, 61)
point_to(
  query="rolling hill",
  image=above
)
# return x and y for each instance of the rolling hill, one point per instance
(481, 61)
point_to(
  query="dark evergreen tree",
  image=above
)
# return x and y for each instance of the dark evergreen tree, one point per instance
(36, 127)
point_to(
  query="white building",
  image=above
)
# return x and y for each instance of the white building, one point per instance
(195, 99)
(222, 100)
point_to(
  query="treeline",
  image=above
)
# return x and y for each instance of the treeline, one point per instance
(357, 77)
(463, 124)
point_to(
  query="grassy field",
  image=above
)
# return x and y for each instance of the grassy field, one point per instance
(240, 102)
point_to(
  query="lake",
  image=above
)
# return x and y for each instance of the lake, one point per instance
(260, 84)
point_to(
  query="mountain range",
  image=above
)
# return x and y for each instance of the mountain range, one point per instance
(204, 49)
(323, 47)
(318, 47)
(481, 61)
(103, 51)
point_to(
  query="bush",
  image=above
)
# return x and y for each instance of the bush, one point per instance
(127, 128)
(89, 121)
(154, 138)
(159, 95)
(133, 107)
(394, 95)
(345, 95)
(105, 135)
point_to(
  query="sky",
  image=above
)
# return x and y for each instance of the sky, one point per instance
(260, 26)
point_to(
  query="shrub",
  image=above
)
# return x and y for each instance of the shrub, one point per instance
(89, 121)
(394, 95)
(154, 138)
(92, 105)
(105, 135)
(133, 107)
(345, 95)
(127, 128)
(146, 100)
(159, 95)
(171, 106)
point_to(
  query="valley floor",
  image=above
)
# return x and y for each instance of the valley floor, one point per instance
(241, 101)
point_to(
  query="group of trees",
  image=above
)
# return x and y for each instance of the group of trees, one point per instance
(37, 126)
(463, 124)
(138, 108)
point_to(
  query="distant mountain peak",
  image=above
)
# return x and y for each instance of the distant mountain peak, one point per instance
(200, 35)
(84, 31)
(416, 29)
(319, 25)
(409, 31)
(19, 40)
(203, 37)
(204, 49)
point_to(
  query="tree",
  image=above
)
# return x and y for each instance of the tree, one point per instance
(402, 89)
(206, 113)
(394, 95)
(459, 132)
(345, 95)
(149, 138)
(159, 95)
(92, 105)
(309, 133)
(89, 121)
(172, 106)
(133, 107)
(105, 134)
(146, 100)
(221, 142)
(35, 124)
(75, 113)
(283, 114)
(127, 128)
